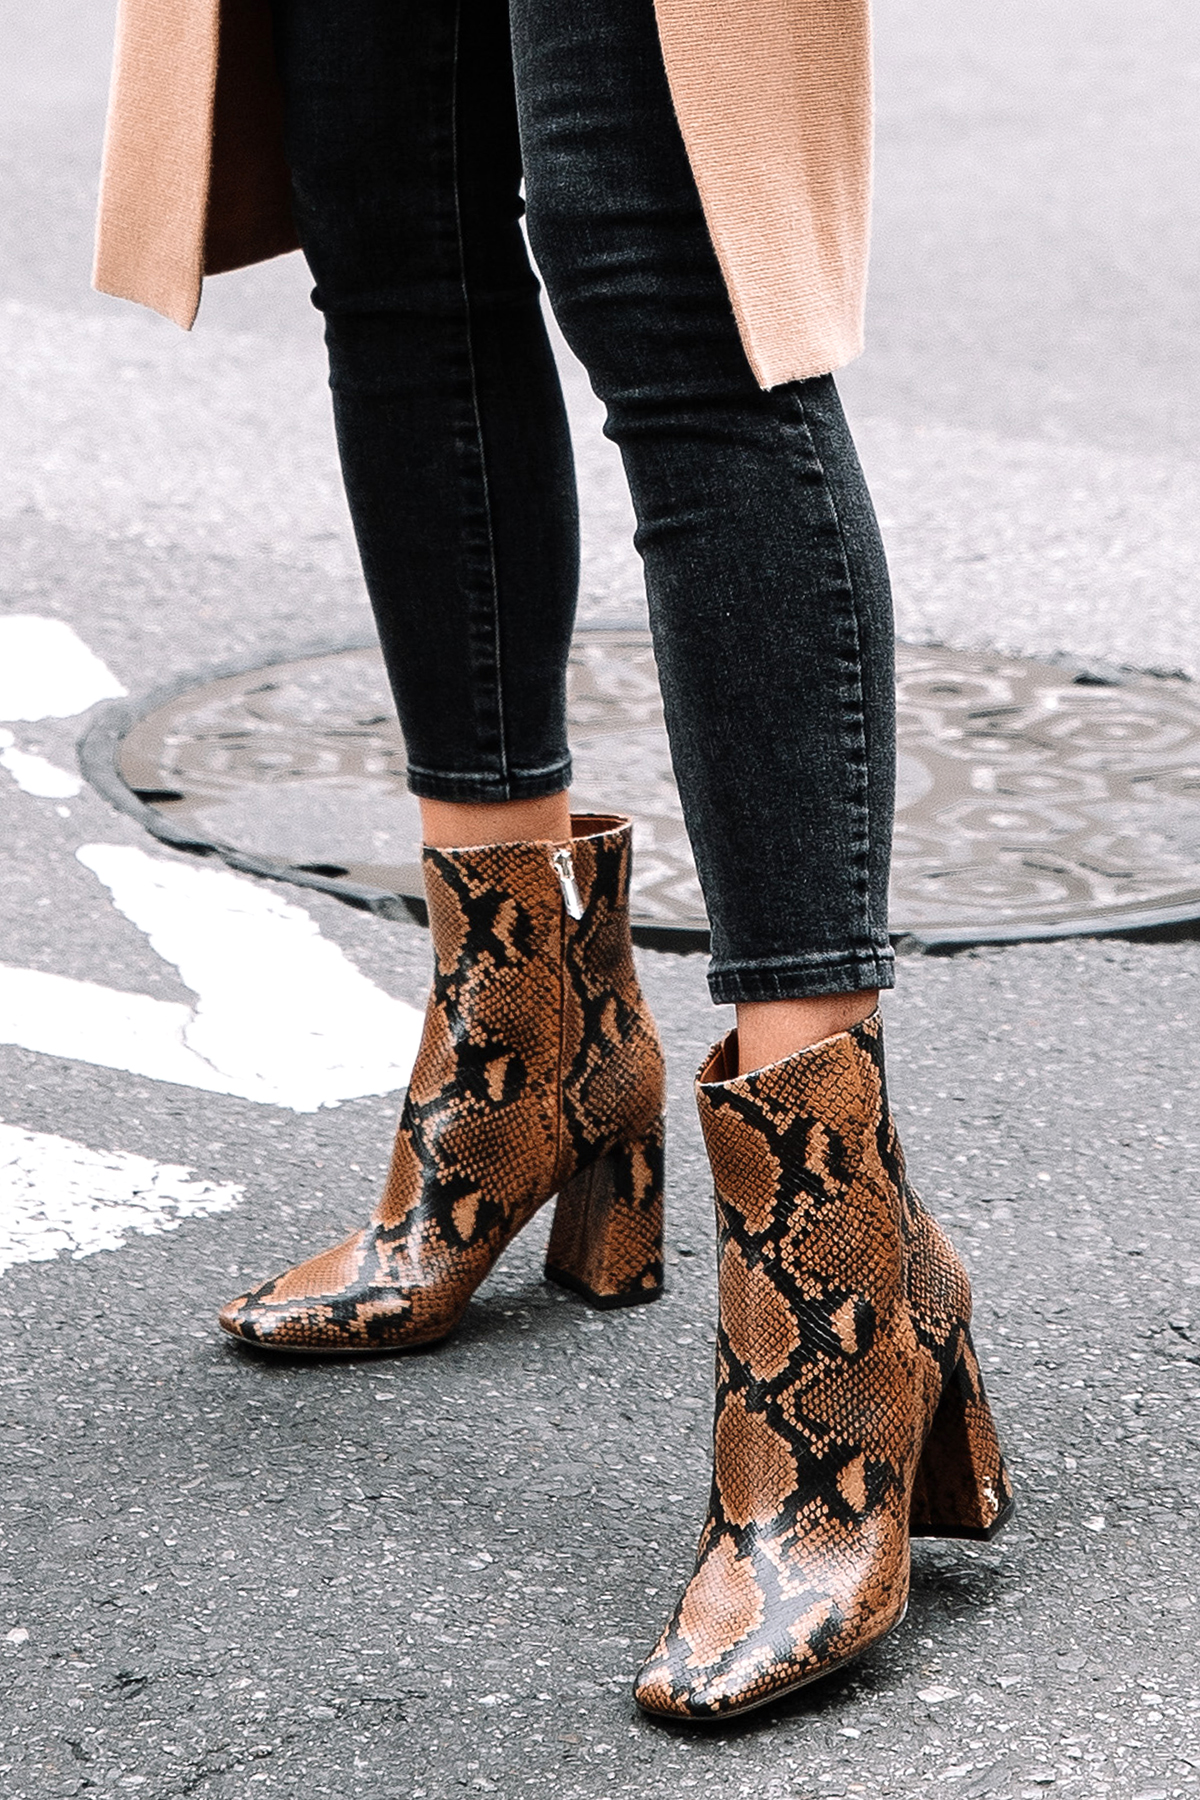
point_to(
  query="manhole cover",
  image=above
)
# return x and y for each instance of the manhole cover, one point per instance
(1031, 804)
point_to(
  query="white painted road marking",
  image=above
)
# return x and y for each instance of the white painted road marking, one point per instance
(281, 1015)
(47, 672)
(56, 1195)
(84, 1022)
(280, 1009)
(35, 774)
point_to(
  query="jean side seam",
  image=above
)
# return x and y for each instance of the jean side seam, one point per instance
(474, 381)
(863, 858)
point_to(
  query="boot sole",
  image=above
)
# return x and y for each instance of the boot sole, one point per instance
(600, 1302)
(301, 1353)
(304, 1354)
(777, 1694)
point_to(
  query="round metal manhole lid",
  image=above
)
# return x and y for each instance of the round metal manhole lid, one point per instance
(1030, 803)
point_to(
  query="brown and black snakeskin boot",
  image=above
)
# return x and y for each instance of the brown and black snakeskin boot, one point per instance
(850, 1411)
(539, 1073)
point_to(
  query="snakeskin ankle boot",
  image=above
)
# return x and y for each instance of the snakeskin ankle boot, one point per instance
(539, 1073)
(850, 1413)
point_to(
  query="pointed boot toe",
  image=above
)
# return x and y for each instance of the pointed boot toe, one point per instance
(849, 1409)
(231, 1316)
(755, 1623)
(539, 1074)
(347, 1299)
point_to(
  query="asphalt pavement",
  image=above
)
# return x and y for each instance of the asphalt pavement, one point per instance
(417, 1578)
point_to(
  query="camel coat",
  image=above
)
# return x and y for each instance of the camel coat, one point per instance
(773, 98)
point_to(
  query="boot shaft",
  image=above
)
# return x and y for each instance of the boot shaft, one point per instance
(538, 1044)
(849, 1407)
(807, 1180)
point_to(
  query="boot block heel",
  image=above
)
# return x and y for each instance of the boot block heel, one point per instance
(607, 1238)
(962, 1488)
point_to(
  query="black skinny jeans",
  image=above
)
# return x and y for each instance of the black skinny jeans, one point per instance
(410, 124)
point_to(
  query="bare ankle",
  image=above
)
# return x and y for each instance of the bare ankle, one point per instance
(456, 825)
(769, 1030)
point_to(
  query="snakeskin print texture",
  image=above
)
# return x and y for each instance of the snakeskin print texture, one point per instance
(539, 1073)
(849, 1408)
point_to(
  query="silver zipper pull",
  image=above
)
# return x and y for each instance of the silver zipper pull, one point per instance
(564, 868)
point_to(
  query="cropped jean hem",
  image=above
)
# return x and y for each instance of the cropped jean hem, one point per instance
(481, 790)
(803, 977)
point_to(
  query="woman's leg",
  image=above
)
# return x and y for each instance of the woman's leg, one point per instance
(849, 1411)
(767, 583)
(539, 1073)
(402, 139)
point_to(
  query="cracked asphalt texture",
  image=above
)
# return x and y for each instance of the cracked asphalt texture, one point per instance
(417, 1578)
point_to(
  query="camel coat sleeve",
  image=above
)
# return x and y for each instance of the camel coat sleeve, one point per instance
(193, 181)
(773, 98)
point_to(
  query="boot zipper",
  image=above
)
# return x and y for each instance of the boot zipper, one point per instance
(564, 868)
